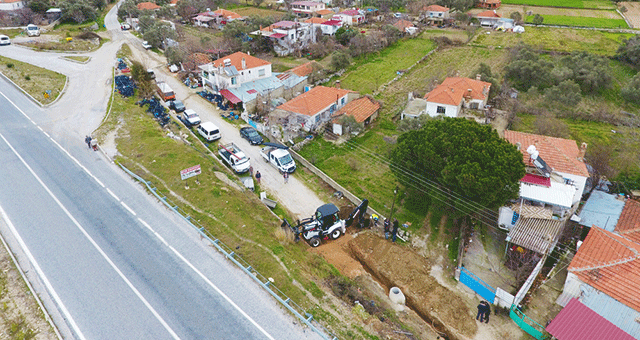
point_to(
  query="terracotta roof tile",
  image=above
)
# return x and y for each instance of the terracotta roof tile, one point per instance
(314, 100)
(559, 153)
(361, 109)
(315, 20)
(452, 90)
(147, 6)
(228, 14)
(402, 24)
(236, 60)
(436, 8)
(324, 12)
(611, 264)
(305, 69)
(629, 222)
(488, 14)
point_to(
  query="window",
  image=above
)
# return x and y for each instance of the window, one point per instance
(473, 105)
(440, 110)
(233, 81)
(261, 72)
(342, 101)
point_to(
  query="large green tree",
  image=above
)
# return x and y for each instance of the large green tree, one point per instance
(468, 159)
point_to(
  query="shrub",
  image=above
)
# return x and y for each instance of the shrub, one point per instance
(9, 65)
(27, 78)
(631, 91)
(340, 60)
(567, 92)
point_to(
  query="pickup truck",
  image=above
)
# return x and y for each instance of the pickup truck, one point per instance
(279, 157)
(234, 157)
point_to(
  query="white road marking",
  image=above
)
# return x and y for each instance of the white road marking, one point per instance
(112, 194)
(42, 276)
(127, 207)
(95, 245)
(145, 224)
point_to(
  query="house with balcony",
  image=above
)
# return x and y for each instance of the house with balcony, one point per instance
(307, 8)
(288, 36)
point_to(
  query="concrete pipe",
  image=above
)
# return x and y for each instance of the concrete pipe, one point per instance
(396, 296)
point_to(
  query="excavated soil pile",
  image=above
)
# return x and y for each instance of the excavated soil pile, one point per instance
(397, 266)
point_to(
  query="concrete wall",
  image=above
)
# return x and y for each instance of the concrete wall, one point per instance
(449, 110)
(579, 182)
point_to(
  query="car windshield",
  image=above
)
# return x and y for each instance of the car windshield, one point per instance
(32, 28)
(192, 116)
(286, 159)
(178, 104)
(252, 133)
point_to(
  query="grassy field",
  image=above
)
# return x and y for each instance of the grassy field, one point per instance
(261, 12)
(377, 69)
(34, 80)
(565, 20)
(596, 4)
(556, 39)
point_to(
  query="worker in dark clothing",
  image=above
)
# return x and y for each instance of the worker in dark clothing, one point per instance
(394, 232)
(481, 310)
(87, 140)
(387, 228)
(487, 312)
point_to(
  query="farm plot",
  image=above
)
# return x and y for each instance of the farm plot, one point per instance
(596, 4)
(564, 20)
(556, 39)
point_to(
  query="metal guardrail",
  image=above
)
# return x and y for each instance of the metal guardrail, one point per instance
(228, 252)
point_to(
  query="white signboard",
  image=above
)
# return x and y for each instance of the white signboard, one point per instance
(190, 172)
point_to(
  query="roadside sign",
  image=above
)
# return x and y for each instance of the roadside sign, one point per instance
(190, 172)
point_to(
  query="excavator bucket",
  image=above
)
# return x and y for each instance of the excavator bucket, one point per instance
(358, 213)
(295, 230)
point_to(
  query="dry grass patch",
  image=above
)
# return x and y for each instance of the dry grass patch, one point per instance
(33, 79)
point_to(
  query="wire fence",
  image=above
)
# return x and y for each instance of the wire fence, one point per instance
(229, 253)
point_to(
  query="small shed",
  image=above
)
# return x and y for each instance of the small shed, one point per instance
(536, 234)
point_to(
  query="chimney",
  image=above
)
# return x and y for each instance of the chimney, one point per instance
(583, 151)
(337, 84)
(244, 64)
(478, 77)
(518, 146)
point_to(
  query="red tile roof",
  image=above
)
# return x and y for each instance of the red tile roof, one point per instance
(315, 20)
(402, 24)
(578, 322)
(236, 60)
(305, 69)
(453, 89)
(228, 14)
(611, 264)
(488, 14)
(559, 153)
(350, 12)
(314, 100)
(324, 12)
(361, 109)
(148, 6)
(436, 8)
(629, 221)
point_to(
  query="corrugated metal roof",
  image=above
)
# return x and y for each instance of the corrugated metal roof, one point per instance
(262, 86)
(577, 322)
(601, 210)
(535, 234)
(559, 194)
(609, 308)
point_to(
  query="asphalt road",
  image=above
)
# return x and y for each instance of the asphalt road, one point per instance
(107, 259)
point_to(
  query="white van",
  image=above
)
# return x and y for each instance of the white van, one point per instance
(209, 131)
(33, 30)
(4, 40)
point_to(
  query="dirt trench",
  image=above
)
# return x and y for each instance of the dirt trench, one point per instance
(396, 266)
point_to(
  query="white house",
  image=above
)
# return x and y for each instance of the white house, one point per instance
(11, 5)
(454, 93)
(350, 17)
(488, 18)
(288, 36)
(234, 70)
(317, 105)
(207, 19)
(330, 27)
(436, 13)
(307, 8)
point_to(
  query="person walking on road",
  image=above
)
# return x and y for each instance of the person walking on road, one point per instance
(286, 177)
(88, 141)
(394, 232)
(258, 176)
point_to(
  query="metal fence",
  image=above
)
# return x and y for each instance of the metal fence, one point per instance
(228, 252)
(477, 285)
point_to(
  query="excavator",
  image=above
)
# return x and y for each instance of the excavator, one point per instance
(326, 224)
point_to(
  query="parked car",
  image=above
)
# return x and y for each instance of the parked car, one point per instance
(190, 118)
(146, 45)
(176, 105)
(4, 40)
(151, 74)
(209, 131)
(251, 135)
(33, 30)
(124, 26)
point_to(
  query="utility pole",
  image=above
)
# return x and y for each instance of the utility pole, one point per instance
(395, 192)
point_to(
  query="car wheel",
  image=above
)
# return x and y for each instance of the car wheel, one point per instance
(314, 242)
(335, 234)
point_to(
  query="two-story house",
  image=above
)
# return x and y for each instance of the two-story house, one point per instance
(316, 106)
(436, 14)
(307, 8)
(288, 36)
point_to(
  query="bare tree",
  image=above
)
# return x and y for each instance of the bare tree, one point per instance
(599, 157)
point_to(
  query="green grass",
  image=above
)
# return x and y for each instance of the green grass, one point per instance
(556, 39)
(33, 79)
(377, 69)
(79, 58)
(596, 4)
(12, 33)
(565, 20)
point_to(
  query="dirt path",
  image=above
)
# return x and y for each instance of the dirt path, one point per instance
(633, 13)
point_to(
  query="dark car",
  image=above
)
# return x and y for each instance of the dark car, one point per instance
(176, 105)
(251, 135)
